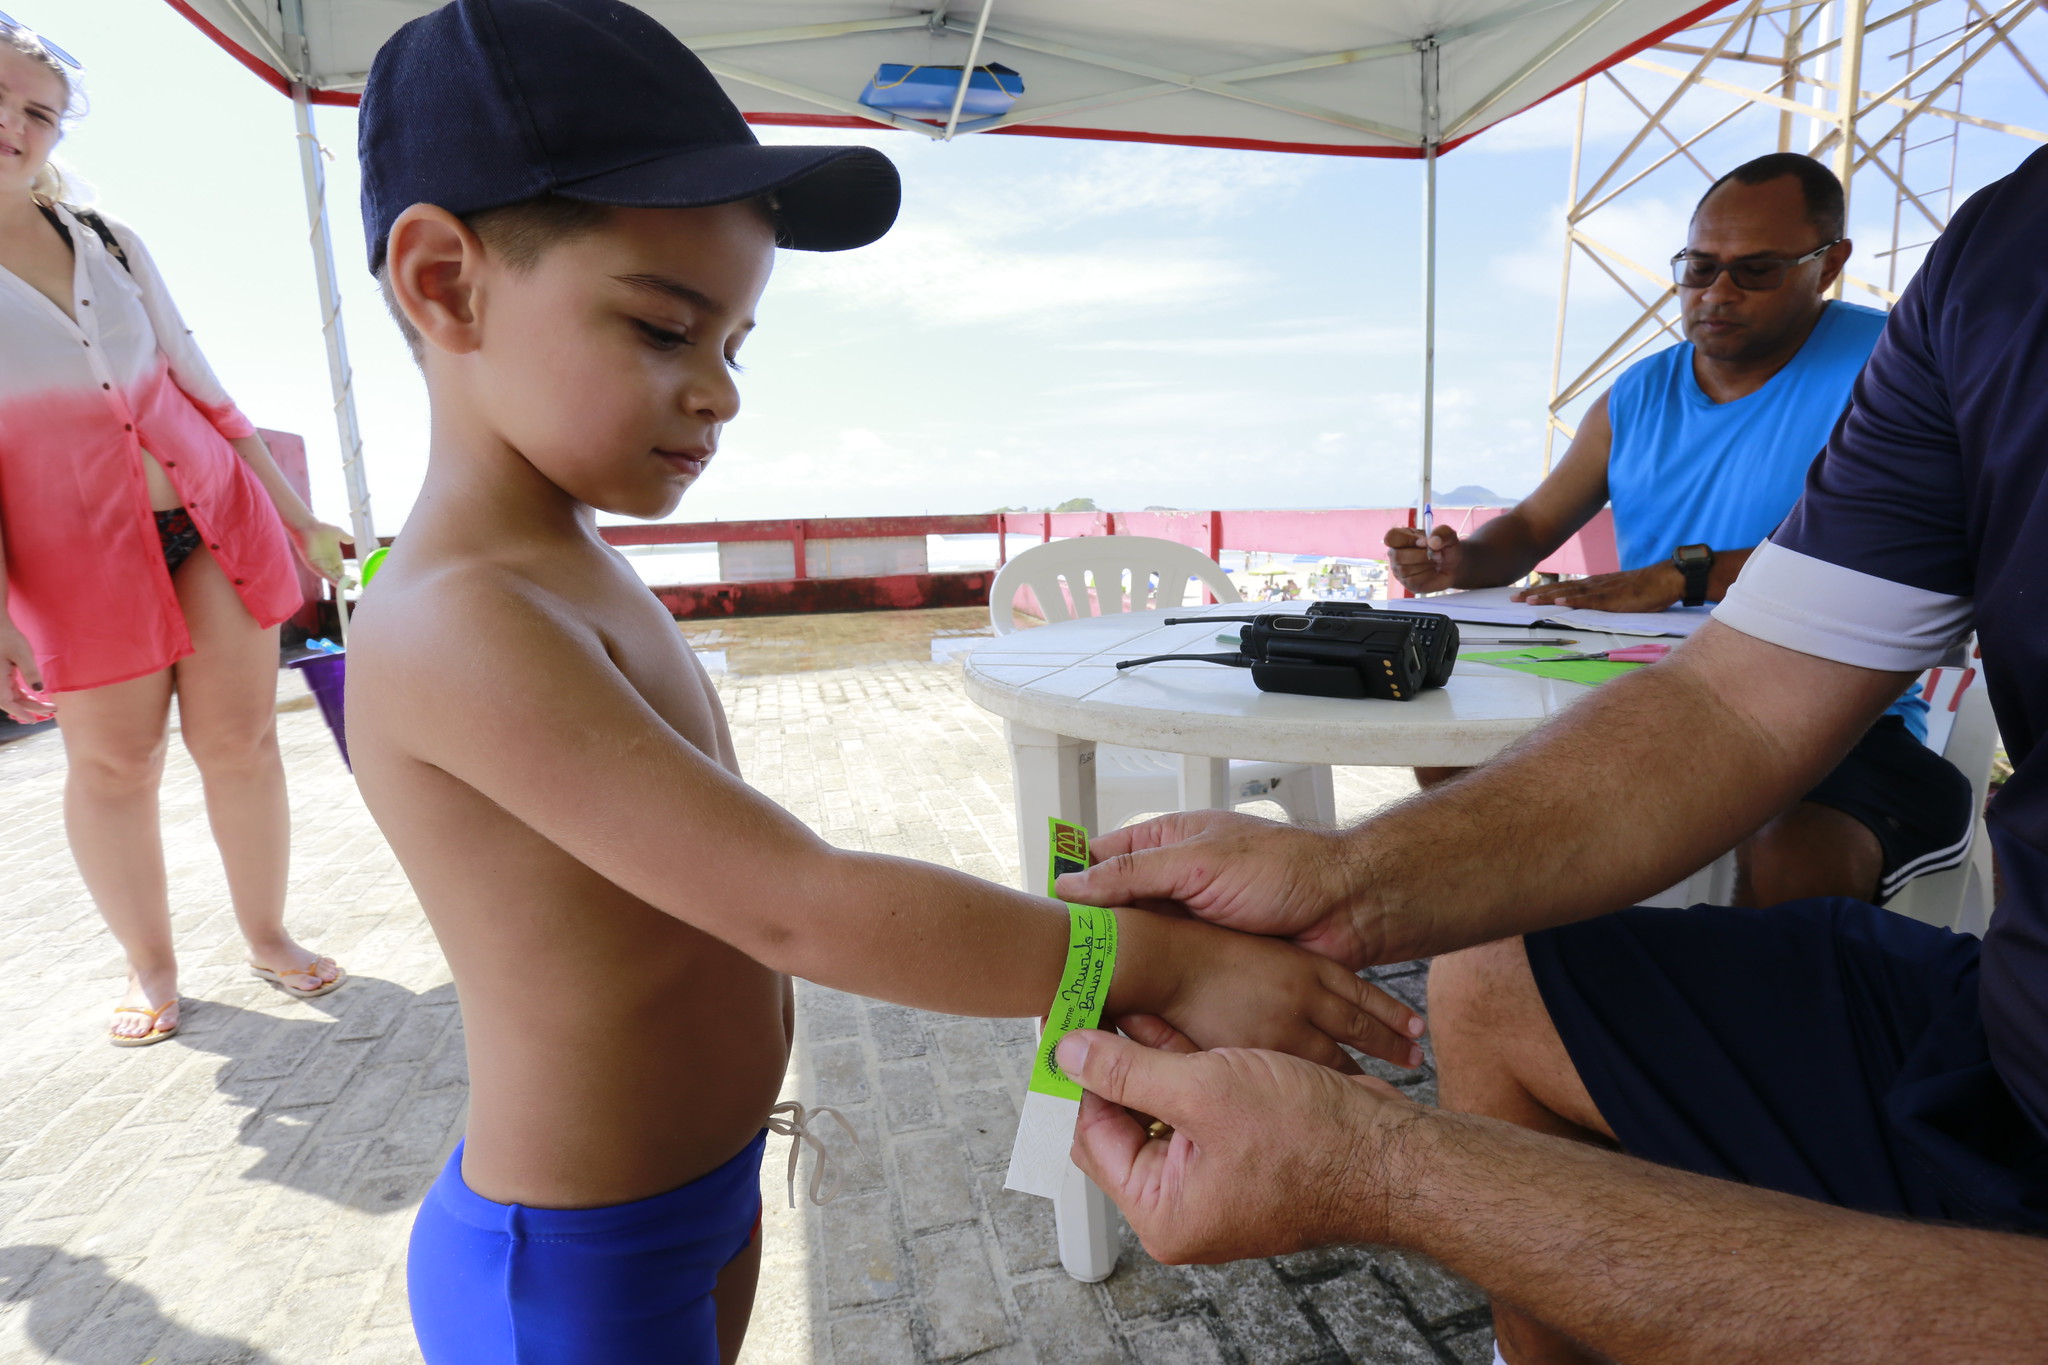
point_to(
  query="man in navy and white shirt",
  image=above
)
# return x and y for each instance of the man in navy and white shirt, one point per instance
(1847, 1110)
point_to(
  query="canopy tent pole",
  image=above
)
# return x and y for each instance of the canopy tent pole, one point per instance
(340, 376)
(1431, 135)
(967, 70)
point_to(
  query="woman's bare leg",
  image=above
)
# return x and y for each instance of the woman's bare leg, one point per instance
(114, 755)
(734, 1299)
(227, 717)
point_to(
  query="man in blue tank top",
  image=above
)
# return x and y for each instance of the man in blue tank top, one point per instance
(1703, 448)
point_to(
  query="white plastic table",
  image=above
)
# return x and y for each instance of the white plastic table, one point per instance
(1060, 694)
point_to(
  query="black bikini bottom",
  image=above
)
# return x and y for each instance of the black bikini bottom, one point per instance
(178, 536)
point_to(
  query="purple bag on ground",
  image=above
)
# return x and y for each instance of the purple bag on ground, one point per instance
(326, 674)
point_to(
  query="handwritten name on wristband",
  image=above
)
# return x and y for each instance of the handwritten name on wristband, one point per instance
(1039, 1162)
(1091, 963)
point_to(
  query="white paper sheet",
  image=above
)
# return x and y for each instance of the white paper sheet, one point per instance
(1678, 621)
(1493, 607)
(1481, 606)
(1042, 1155)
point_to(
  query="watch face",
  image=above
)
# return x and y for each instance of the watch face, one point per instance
(1693, 554)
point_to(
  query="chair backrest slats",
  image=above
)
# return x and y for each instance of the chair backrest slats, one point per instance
(1106, 576)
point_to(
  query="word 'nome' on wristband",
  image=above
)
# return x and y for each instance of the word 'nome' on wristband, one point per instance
(1039, 1161)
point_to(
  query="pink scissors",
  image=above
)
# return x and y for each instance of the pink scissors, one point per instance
(1633, 654)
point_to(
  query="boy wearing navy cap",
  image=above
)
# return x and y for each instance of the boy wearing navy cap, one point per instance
(574, 225)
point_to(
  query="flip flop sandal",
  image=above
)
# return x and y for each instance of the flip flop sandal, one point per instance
(276, 978)
(155, 1034)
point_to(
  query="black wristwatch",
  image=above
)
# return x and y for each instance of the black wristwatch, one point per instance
(1695, 562)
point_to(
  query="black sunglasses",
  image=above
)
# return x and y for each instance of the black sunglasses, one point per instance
(1751, 275)
(14, 25)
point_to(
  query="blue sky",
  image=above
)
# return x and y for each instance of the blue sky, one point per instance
(1050, 319)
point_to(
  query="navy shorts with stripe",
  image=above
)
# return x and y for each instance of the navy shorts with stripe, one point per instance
(1824, 1048)
(1916, 802)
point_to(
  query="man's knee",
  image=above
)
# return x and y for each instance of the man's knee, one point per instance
(1498, 1053)
(1480, 1000)
(1810, 850)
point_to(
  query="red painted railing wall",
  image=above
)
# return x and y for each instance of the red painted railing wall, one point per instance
(1350, 533)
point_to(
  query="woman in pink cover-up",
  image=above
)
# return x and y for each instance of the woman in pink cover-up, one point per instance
(147, 540)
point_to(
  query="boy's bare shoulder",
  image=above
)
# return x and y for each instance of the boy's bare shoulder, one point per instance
(448, 609)
(439, 631)
(430, 596)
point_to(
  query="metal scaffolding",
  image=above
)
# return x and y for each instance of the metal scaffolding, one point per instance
(1873, 87)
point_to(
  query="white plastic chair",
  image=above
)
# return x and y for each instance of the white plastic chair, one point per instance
(1108, 575)
(1961, 728)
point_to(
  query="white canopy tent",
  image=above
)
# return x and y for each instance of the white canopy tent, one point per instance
(1389, 78)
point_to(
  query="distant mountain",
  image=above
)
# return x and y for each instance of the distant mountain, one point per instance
(1472, 495)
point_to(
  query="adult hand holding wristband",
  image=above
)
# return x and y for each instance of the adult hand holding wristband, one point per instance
(1052, 1103)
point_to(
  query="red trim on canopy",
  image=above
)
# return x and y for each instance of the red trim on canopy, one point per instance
(1650, 40)
(782, 120)
(1678, 25)
(341, 99)
(269, 74)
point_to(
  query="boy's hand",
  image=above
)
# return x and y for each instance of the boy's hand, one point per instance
(1222, 989)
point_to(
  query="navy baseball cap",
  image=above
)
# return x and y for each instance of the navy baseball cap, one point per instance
(485, 103)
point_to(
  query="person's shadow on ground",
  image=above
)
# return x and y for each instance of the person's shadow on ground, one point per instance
(81, 1313)
(276, 1071)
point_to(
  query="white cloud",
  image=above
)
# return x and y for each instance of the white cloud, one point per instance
(1204, 184)
(1303, 336)
(934, 272)
(1646, 230)
(1549, 126)
(1041, 247)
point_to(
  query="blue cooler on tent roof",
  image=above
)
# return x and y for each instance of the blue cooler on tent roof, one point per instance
(929, 90)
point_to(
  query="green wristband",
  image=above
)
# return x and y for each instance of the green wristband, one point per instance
(1039, 1157)
(1091, 962)
(1091, 965)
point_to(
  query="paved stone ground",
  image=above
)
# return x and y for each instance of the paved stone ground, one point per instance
(242, 1193)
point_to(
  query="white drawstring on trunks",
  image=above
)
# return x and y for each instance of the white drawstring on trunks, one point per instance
(792, 1120)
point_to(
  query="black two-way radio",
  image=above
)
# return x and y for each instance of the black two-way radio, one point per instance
(1438, 634)
(1377, 654)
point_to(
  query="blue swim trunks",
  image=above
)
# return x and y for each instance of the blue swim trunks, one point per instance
(504, 1284)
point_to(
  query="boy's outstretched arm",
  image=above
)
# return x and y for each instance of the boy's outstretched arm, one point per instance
(596, 771)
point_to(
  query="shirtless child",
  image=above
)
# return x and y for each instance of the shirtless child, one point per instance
(550, 762)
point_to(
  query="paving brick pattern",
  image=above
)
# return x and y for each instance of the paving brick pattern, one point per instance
(243, 1193)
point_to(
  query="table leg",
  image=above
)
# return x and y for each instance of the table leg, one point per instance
(1084, 1218)
(1055, 775)
(1204, 783)
(1324, 784)
(1051, 775)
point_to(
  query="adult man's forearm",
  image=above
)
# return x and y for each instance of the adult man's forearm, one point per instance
(1661, 1267)
(1629, 791)
(1500, 551)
